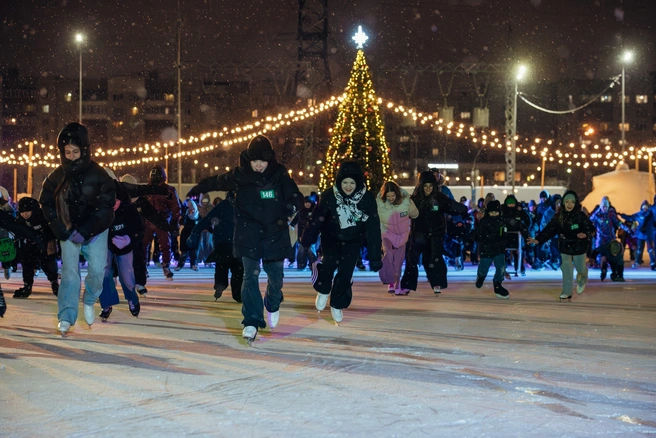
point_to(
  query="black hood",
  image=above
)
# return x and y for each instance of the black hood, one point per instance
(510, 199)
(350, 169)
(77, 135)
(260, 149)
(493, 206)
(577, 206)
(28, 204)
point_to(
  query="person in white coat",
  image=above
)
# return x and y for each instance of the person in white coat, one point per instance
(395, 209)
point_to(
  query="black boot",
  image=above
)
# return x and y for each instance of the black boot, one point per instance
(3, 304)
(218, 291)
(604, 271)
(479, 282)
(620, 273)
(500, 291)
(23, 292)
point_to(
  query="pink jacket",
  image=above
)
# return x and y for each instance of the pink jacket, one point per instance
(395, 219)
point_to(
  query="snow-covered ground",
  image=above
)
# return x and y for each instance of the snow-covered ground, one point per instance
(463, 364)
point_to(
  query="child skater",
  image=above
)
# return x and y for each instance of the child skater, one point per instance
(346, 216)
(491, 235)
(574, 231)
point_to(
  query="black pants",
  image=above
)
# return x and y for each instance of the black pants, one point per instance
(236, 268)
(139, 262)
(429, 248)
(31, 257)
(340, 256)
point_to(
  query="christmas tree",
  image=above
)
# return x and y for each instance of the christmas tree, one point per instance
(358, 134)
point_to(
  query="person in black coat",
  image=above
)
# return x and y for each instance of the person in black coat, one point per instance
(301, 221)
(8, 252)
(346, 216)
(123, 236)
(189, 221)
(30, 254)
(266, 197)
(519, 222)
(427, 234)
(574, 231)
(78, 200)
(220, 221)
(492, 236)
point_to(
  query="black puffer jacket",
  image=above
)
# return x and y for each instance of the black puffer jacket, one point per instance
(90, 196)
(432, 208)
(335, 222)
(517, 217)
(263, 205)
(567, 225)
(36, 221)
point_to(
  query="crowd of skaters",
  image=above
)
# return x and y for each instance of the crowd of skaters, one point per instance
(117, 226)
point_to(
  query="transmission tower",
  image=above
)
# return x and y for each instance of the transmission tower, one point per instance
(313, 47)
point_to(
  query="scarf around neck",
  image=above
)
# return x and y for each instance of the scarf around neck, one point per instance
(347, 208)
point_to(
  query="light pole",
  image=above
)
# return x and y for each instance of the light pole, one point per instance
(79, 40)
(626, 58)
(521, 71)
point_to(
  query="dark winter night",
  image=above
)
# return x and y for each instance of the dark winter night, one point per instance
(328, 218)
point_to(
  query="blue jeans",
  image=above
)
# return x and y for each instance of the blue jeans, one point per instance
(124, 263)
(252, 305)
(567, 267)
(499, 265)
(95, 252)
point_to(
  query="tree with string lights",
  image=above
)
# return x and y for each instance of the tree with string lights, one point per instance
(358, 133)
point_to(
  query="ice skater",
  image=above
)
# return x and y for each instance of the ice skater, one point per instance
(574, 231)
(266, 198)
(346, 216)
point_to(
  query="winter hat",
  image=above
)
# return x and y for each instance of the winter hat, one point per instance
(556, 197)
(532, 203)
(544, 194)
(4, 194)
(192, 210)
(127, 178)
(27, 204)
(569, 197)
(493, 206)
(260, 149)
(350, 169)
(644, 203)
(510, 200)
(157, 175)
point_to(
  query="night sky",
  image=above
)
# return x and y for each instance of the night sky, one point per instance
(578, 38)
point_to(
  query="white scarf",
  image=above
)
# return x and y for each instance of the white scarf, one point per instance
(347, 209)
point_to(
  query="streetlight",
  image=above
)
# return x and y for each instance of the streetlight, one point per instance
(79, 40)
(626, 58)
(521, 72)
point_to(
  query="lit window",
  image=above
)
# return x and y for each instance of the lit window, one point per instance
(169, 97)
(68, 97)
(45, 108)
(135, 111)
(465, 115)
(435, 151)
(641, 98)
(606, 98)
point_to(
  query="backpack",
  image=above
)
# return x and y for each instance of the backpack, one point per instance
(7, 249)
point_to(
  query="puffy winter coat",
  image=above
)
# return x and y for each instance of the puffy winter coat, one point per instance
(606, 225)
(491, 233)
(567, 225)
(263, 205)
(395, 219)
(127, 222)
(645, 220)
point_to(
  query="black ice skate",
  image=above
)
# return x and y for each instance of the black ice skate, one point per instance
(167, 272)
(479, 282)
(141, 290)
(564, 297)
(135, 308)
(104, 313)
(604, 271)
(500, 291)
(218, 292)
(54, 285)
(3, 304)
(23, 292)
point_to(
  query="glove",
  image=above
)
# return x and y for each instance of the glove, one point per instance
(193, 193)
(121, 241)
(76, 238)
(193, 240)
(375, 265)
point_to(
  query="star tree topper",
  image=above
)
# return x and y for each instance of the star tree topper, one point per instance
(360, 38)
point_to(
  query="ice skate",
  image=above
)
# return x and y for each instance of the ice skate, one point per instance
(218, 292)
(579, 287)
(179, 267)
(3, 304)
(89, 316)
(500, 291)
(104, 313)
(321, 301)
(337, 315)
(564, 297)
(604, 271)
(249, 333)
(391, 288)
(437, 290)
(194, 267)
(167, 272)
(7, 274)
(141, 289)
(63, 327)
(23, 292)
(402, 292)
(272, 319)
(479, 282)
(135, 308)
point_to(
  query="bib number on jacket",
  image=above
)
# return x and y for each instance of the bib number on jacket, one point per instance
(267, 194)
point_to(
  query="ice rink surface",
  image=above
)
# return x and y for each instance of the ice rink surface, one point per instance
(462, 364)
